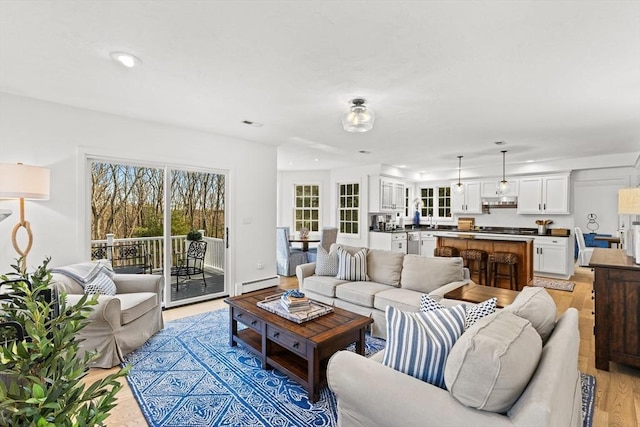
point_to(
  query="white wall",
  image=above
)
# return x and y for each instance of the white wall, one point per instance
(596, 191)
(57, 137)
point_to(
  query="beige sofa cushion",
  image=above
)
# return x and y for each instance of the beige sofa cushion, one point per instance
(492, 362)
(323, 285)
(424, 274)
(384, 266)
(134, 305)
(403, 299)
(537, 306)
(360, 293)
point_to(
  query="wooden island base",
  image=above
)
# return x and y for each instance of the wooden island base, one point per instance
(523, 248)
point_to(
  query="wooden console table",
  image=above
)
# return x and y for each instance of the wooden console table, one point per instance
(617, 308)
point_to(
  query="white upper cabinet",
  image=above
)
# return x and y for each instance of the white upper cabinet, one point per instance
(547, 194)
(468, 202)
(385, 194)
(490, 188)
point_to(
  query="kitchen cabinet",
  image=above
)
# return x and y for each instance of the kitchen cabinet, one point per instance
(385, 194)
(551, 255)
(544, 195)
(388, 241)
(427, 244)
(489, 189)
(468, 202)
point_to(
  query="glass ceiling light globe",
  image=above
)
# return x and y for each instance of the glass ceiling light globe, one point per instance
(503, 186)
(458, 188)
(359, 118)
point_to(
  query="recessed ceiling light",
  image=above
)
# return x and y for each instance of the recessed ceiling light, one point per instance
(316, 160)
(401, 166)
(125, 59)
(254, 124)
(530, 161)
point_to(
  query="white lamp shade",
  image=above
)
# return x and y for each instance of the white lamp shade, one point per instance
(629, 201)
(18, 181)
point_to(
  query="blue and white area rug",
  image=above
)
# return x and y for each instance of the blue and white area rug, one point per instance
(187, 375)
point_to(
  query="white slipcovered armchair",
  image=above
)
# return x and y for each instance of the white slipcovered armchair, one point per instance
(118, 324)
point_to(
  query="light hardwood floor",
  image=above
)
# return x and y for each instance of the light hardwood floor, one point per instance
(617, 391)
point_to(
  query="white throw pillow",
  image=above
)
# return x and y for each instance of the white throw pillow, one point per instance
(418, 343)
(491, 364)
(352, 267)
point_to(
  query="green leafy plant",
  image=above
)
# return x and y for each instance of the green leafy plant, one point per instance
(41, 376)
(194, 235)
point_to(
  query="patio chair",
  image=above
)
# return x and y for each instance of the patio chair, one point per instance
(125, 259)
(191, 264)
(328, 236)
(287, 259)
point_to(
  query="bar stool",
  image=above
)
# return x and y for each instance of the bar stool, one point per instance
(476, 258)
(446, 251)
(506, 258)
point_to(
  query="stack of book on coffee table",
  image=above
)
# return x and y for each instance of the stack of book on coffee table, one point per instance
(293, 303)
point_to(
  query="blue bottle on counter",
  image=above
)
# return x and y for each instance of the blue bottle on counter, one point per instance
(416, 218)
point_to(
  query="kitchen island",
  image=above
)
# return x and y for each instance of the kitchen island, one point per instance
(522, 246)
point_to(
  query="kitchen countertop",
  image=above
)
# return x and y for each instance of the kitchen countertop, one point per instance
(484, 236)
(493, 231)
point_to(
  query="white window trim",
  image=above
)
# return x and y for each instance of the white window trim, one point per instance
(353, 236)
(293, 205)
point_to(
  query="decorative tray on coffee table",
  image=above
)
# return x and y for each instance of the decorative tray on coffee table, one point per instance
(315, 310)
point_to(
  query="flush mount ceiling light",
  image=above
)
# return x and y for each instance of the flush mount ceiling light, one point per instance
(503, 186)
(359, 117)
(459, 187)
(125, 59)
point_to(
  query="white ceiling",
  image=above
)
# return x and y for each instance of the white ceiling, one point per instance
(554, 79)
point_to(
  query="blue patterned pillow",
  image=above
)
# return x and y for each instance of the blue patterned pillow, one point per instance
(101, 284)
(478, 311)
(427, 303)
(326, 262)
(352, 267)
(418, 343)
(474, 313)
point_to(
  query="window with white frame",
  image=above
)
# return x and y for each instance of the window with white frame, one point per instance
(436, 202)
(348, 208)
(307, 207)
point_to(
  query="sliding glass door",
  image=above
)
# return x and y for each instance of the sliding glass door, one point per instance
(162, 220)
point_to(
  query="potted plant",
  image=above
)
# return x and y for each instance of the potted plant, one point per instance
(194, 235)
(41, 376)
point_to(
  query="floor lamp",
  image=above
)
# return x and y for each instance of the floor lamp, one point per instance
(629, 204)
(18, 181)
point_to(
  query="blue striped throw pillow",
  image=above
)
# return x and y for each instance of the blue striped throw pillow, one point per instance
(352, 267)
(418, 343)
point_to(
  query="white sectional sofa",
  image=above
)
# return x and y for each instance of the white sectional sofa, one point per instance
(394, 279)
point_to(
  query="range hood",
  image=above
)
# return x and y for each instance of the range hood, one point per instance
(499, 202)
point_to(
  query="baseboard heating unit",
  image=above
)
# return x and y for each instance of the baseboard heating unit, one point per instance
(255, 285)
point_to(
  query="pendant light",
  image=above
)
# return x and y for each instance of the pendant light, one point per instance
(359, 117)
(459, 187)
(503, 186)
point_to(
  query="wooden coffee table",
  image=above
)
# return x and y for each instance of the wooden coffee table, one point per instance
(300, 351)
(472, 292)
